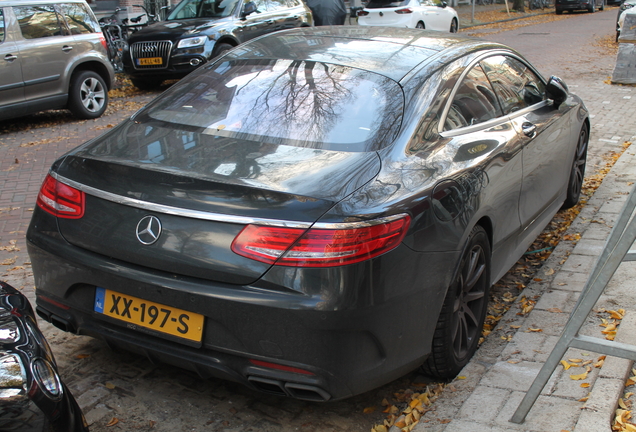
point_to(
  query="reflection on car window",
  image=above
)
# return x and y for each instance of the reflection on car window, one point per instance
(78, 18)
(300, 103)
(516, 85)
(474, 101)
(38, 21)
(203, 9)
(377, 4)
(1, 26)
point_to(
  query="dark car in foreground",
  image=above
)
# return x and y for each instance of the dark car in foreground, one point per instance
(33, 398)
(572, 5)
(196, 31)
(314, 213)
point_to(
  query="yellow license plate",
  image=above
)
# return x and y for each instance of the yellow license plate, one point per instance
(150, 61)
(151, 315)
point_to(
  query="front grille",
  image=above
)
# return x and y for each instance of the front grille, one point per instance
(150, 50)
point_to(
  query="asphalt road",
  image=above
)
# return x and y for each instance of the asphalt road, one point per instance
(122, 391)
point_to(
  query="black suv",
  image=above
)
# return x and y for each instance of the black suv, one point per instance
(199, 30)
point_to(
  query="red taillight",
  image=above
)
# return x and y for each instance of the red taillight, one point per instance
(60, 200)
(404, 11)
(318, 247)
(363, 13)
(102, 39)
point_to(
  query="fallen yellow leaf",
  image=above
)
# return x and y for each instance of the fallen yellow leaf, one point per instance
(112, 422)
(110, 386)
(585, 385)
(579, 376)
(565, 365)
(369, 410)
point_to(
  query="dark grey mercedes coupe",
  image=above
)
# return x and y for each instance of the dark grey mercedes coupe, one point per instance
(313, 214)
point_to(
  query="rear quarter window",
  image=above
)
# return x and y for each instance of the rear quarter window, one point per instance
(1, 26)
(79, 18)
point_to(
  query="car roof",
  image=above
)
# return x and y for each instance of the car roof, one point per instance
(388, 51)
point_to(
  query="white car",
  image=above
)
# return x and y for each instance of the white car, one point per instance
(423, 14)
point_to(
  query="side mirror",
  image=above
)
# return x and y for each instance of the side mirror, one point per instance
(444, 4)
(557, 90)
(248, 9)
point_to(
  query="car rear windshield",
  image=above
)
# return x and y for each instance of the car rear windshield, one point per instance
(292, 102)
(202, 9)
(376, 4)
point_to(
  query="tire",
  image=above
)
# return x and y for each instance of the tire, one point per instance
(559, 12)
(87, 96)
(602, 6)
(618, 34)
(454, 26)
(592, 8)
(461, 320)
(577, 174)
(420, 25)
(146, 83)
(220, 49)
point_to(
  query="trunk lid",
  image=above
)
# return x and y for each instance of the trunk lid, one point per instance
(203, 189)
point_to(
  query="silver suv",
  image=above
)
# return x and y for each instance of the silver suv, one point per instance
(52, 56)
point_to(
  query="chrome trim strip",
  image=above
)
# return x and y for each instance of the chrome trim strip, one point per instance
(176, 211)
(359, 224)
(217, 217)
(42, 80)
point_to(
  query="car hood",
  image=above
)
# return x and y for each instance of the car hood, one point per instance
(204, 189)
(173, 30)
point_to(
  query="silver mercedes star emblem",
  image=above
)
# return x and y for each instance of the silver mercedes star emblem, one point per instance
(148, 230)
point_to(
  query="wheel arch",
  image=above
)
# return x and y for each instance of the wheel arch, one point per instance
(94, 66)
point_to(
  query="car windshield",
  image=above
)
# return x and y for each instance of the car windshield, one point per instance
(202, 9)
(292, 102)
(376, 4)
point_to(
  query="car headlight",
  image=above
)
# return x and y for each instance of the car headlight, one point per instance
(626, 6)
(191, 42)
(46, 378)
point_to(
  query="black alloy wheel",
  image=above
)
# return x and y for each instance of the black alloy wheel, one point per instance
(461, 320)
(577, 174)
(221, 48)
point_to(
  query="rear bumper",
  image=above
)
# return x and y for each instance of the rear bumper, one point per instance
(580, 5)
(376, 331)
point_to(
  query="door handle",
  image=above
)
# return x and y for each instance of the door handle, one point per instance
(67, 48)
(10, 57)
(270, 22)
(529, 129)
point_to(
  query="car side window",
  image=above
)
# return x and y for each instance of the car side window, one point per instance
(474, 101)
(79, 19)
(39, 21)
(515, 84)
(1, 26)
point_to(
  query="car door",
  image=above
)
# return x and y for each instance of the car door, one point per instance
(45, 47)
(11, 84)
(546, 140)
(284, 15)
(433, 15)
(486, 153)
(257, 23)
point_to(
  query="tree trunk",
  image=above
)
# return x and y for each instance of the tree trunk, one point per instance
(519, 5)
